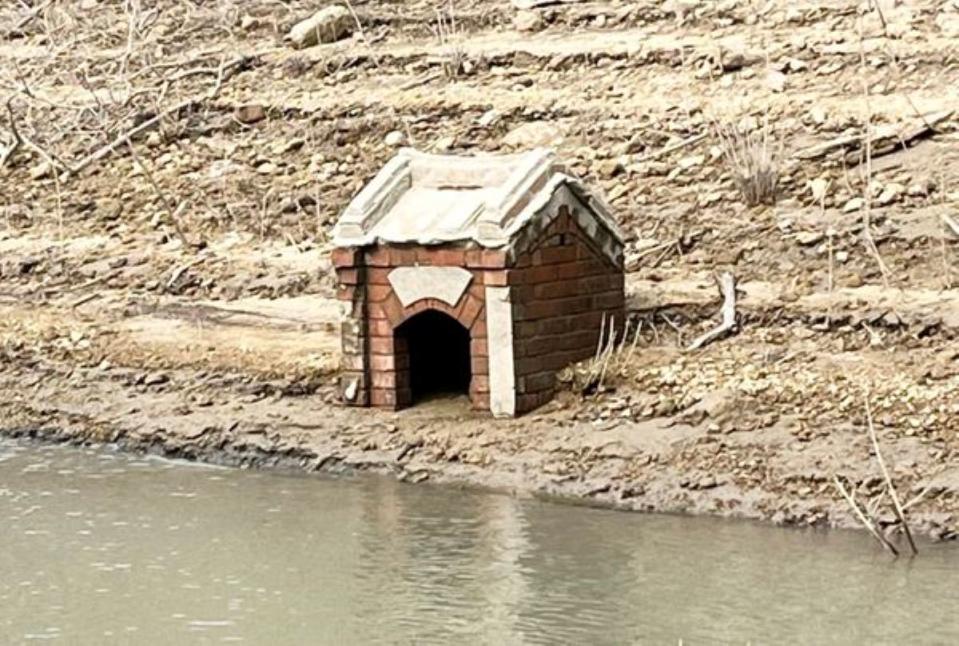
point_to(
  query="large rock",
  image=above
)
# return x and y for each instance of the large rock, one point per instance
(534, 134)
(528, 21)
(325, 26)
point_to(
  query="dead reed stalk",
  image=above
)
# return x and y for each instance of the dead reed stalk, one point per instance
(752, 156)
(450, 37)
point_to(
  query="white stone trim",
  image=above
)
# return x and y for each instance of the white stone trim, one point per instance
(530, 186)
(502, 368)
(447, 284)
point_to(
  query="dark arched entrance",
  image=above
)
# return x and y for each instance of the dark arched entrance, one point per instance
(437, 348)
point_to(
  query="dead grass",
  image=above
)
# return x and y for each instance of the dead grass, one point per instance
(752, 156)
(450, 36)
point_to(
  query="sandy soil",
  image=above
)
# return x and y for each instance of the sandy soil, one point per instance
(176, 297)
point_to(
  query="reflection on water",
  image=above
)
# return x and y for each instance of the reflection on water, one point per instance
(103, 548)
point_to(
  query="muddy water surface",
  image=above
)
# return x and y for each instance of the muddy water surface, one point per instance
(101, 548)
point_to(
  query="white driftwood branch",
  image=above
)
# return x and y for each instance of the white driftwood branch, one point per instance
(727, 286)
(950, 222)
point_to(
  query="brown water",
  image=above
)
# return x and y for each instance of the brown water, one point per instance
(101, 548)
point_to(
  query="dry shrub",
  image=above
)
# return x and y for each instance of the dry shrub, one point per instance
(752, 156)
(614, 353)
(450, 37)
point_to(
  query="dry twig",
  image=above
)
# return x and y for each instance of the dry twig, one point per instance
(896, 505)
(8, 151)
(866, 521)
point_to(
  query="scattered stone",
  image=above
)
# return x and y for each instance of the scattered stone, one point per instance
(809, 238)
(109, 209)
(776, 81)
(40, 171)
(488, 118)
(250, 114)
(890, 193)
(528, 21)
(394, 139)
(155, 379)
(533, 135)
(852, 205)
(445, 143)
(325, 26)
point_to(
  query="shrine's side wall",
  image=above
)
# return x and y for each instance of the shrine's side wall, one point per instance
(562, 289)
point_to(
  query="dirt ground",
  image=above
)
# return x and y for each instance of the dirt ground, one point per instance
(174, 292)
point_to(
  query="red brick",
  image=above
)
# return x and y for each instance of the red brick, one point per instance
(555, 255)
(496, 278)
(608, 300)
(580, 269)
(479, 365)
(349, 276)
(480, 401)
(393, 311)
(383, 345)
(479, 347)
(380, 327)
(374, 311)
(383, 362)
(402, 256)
(523, 261)
(388, 379)
(474, 258)
(525, 329)
(469, 311)
(494, 258)
(479, 384)
(377, 293)
(377, 257)
(478, 329)
(543, 274)
(526, 403)
(477, 289)
(450, 257)
(559, 289)
(536, 383)
(378, 275)
(344, 257)
(383, 397)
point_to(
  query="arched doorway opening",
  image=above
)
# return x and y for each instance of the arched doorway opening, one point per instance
(438, 350)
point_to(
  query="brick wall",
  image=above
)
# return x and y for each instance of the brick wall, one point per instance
(371, 337)
(562, 289)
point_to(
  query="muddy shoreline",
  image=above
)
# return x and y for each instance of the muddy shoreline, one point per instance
(387, 448)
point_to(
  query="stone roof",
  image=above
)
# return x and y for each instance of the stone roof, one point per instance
(427, 199)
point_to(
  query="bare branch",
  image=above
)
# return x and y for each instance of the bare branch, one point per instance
(896, 505)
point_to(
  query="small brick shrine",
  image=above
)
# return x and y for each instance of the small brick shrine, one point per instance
(484, 275)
